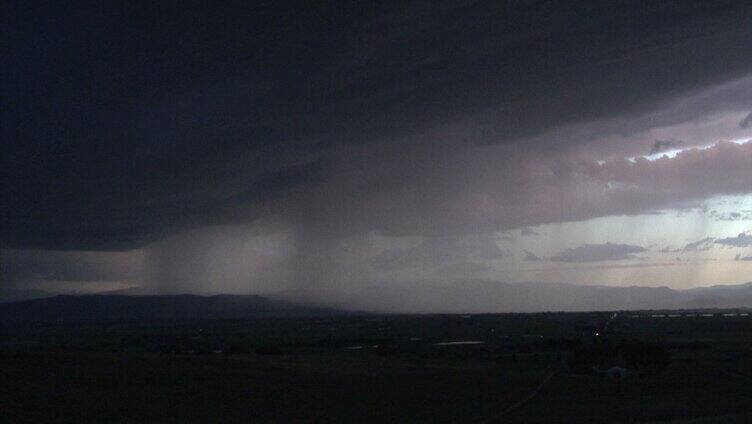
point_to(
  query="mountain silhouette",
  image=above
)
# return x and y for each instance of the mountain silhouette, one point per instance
(110, 308)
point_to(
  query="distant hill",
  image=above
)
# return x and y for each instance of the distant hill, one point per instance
(460, 297)
(487, 296)
(15, 294)
(111, 308)
(735, 295)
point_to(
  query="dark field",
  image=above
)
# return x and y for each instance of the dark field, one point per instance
(528, 368)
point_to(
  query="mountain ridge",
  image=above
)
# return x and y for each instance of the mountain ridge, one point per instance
(459, 297)
(134, 308)
(479, 296)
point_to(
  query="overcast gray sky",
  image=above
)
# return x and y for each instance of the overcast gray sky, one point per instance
(321, 150)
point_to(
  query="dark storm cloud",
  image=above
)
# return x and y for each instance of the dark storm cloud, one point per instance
(19, 266)
(598, 252)
(699, 245)
(465, 268)
(707, 243)
(741, 215)
(746, 122)
(279, 182)
(742, 240)
(459, 253)
(527, 232)
(665, 145)
(127, 123)
(508, 191)
(531, 257)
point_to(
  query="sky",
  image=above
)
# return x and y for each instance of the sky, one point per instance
(322, 150)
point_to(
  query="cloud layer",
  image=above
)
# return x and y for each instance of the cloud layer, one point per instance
(135, 140)
(741, 240)
(325, 128)
(598, 252)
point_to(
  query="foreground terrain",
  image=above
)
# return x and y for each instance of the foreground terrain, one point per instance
(366, 368)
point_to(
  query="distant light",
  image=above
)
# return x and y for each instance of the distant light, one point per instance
(597, 334)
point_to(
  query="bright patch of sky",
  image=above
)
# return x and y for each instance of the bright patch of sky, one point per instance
(668, 237)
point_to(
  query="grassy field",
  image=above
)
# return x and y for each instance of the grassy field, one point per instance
(322, 375)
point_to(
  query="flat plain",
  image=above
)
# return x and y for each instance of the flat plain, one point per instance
(380, 368)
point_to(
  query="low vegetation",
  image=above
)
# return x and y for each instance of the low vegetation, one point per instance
(370, 368)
